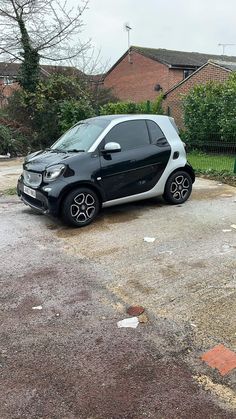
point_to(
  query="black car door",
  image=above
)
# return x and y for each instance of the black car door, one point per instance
(139, 164)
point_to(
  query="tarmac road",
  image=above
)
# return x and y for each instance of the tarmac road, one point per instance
(70, 360)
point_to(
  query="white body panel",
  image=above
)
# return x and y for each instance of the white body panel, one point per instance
(169, 129)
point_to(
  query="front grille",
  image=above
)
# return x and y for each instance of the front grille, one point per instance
(32, 178)
(33, 201)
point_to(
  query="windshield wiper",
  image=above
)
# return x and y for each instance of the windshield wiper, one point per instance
(55, 150)
(74, 150)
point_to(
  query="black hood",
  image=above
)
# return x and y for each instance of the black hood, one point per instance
(40, 160)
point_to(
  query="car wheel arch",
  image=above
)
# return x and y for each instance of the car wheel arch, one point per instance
(186, 169)
(76, 185)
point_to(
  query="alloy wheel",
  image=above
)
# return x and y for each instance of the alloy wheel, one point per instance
(83, 207)
(179, 187)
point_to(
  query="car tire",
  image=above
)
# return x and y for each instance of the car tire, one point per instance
(178, 188)
(80, 207)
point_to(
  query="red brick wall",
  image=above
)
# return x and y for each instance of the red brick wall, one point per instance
(173, 100)
(136, 81)
(6, 90)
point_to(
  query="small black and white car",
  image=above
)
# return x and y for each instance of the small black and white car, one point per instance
(105, 161)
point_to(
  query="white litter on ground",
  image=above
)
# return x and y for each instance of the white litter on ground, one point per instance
(130, 322)
(168, 252)
(37, 308)
(149, 239)
(226, 195)
(226, 230)
(233, 226)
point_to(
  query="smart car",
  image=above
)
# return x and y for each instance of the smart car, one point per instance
(105, 161)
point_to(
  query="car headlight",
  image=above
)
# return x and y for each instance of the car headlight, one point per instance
(53, 172)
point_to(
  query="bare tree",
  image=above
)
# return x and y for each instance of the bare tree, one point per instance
(40, 29)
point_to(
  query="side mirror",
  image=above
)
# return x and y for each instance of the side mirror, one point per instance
(112, 148)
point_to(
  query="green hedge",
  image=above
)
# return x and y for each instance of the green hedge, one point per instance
(133, 108)
(210, 113)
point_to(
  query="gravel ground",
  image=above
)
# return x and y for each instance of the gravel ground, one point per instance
(9, 172)
(70, 360)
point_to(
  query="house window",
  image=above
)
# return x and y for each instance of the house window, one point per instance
(8, 80)
(187, 73)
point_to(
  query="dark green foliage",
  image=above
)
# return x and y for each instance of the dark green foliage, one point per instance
(14, 140)
(210, 113)
(100, 96)
(5, 139)
(29, 70)
(72, 111)
(58, 102)
(133, 108)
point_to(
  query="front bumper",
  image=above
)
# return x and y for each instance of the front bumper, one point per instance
(42, 202)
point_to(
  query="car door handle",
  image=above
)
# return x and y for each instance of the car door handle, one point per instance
(133, 161)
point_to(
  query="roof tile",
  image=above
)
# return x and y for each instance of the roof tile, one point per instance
(181, 58)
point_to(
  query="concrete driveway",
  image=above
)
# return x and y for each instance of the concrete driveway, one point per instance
(9, 172)
(70, 360)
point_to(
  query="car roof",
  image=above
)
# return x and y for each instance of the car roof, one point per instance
(128, 117)
(166, 123)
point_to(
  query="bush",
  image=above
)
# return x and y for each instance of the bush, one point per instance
(210, 113)
(5, 139)
(59, 102)
(133, 108)
(13, 141)
(72, 111)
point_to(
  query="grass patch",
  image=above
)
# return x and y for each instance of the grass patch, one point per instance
(10, 191)
(224, 177)
(209, 162)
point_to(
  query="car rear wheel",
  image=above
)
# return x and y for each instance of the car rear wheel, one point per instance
(178, 188)
(80, 207)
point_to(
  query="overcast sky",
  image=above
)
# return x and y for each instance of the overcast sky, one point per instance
(187, 25)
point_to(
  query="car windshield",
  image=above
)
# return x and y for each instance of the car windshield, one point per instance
(81, 136)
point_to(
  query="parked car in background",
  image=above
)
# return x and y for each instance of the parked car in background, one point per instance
(105, 161)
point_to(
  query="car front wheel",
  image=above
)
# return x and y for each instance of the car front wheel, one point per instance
(178, 188)
(80, 207)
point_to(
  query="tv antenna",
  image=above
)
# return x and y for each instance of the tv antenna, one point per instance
(224, 46)
(128, 29)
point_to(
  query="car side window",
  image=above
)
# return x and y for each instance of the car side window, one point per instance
(129, 134)
(154, 131)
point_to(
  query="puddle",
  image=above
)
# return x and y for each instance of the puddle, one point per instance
(117, 217)
(52, 226)
(142, 289)
(208, 193)
(197, 264)
(114, 215)
(68, 232)
(103, 222)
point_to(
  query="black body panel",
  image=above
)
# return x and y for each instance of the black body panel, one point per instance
(133, 171)
(81, 168)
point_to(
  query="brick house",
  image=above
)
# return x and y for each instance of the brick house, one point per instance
(210, 71)
(142, 73)
(9, 77)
